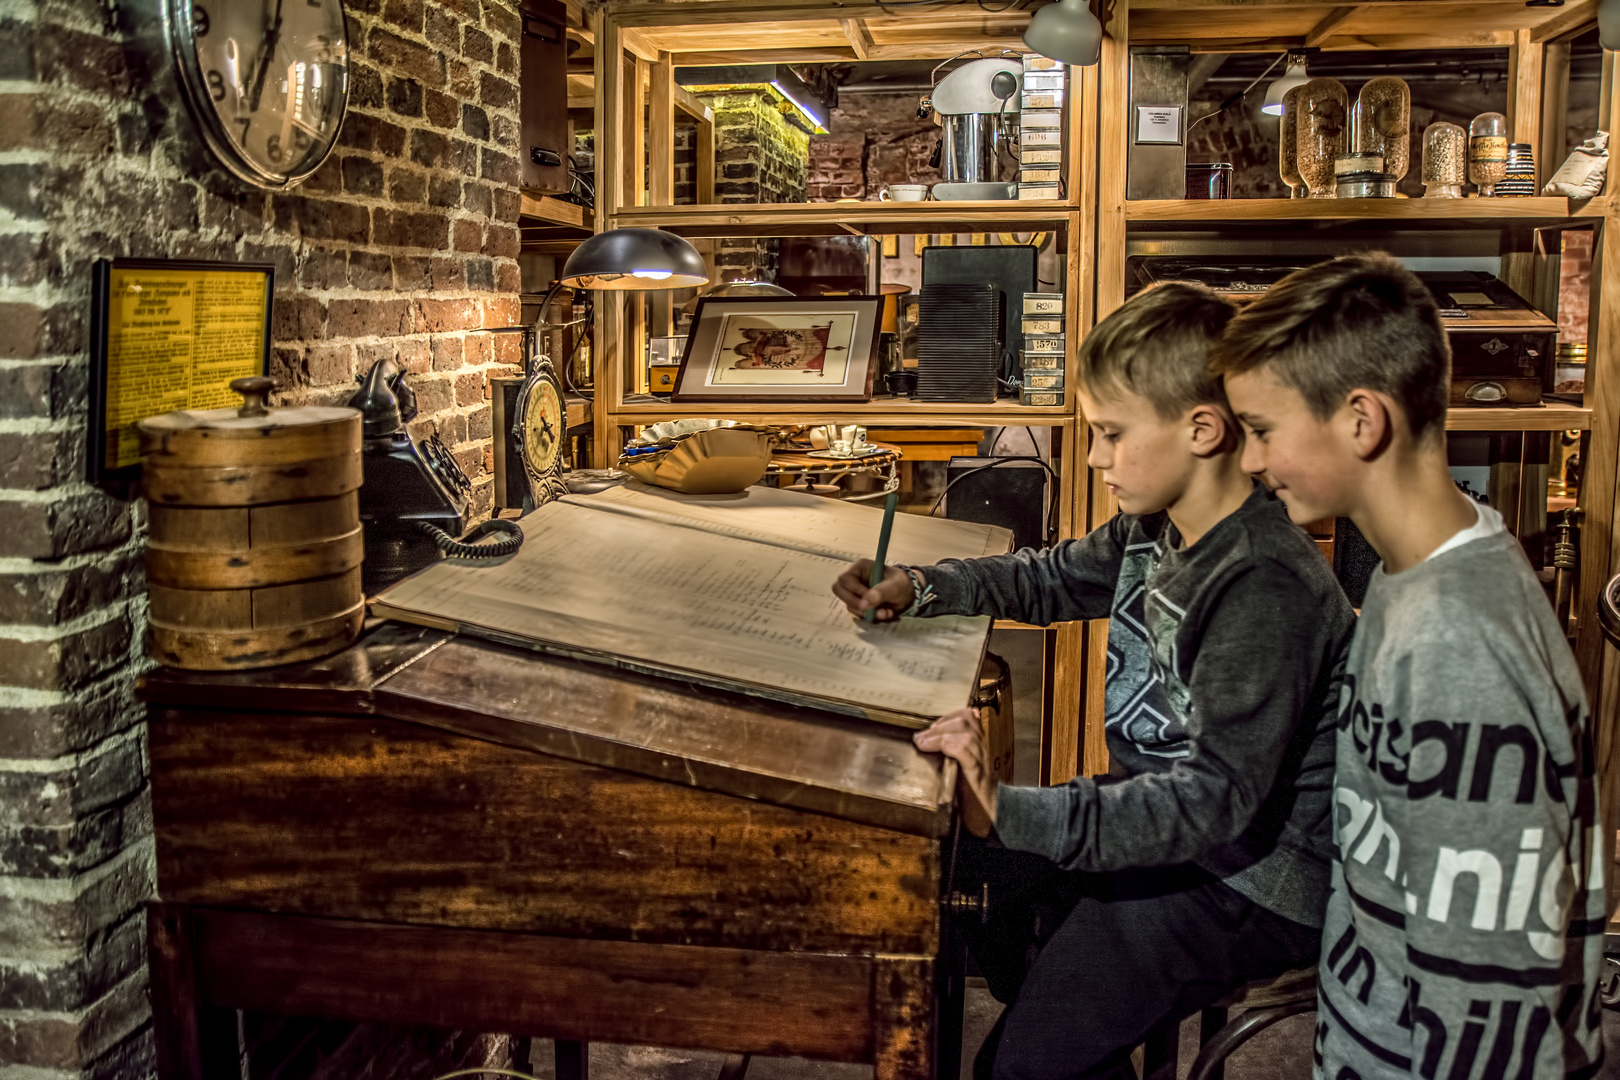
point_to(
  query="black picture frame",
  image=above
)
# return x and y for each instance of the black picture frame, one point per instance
(123, 479)
(704, 345)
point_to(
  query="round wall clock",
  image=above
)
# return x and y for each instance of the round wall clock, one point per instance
(542, 425)
(266, 80)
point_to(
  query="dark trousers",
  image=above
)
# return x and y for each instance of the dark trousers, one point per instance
(1088, 963)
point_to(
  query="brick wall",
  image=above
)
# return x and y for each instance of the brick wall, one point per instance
(403, 243)
(872, 140)
(760, 156)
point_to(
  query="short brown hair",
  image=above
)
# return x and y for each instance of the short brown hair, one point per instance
(1361, 321)
(1157, 346)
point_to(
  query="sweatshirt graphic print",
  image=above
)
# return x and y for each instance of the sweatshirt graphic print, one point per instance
(1463, 935)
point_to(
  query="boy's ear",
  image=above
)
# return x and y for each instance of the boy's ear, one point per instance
(1213, 431)
(1369, 419)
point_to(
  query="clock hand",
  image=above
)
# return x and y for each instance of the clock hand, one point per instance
(271, 39)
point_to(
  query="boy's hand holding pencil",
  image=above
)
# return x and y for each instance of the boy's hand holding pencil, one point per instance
(890, 597)
(959, 736)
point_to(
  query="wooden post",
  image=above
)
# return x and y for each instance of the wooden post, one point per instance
(606, 354)
(1549, 143)
(633, 125)
(1597, 659)
(1525, 72)
(661, 170)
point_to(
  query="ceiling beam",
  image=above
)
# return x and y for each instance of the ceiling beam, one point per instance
(692, 105)
(1328, 24)
(860, 39)
(1572, 20)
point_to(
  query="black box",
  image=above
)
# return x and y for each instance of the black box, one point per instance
(1012, 495)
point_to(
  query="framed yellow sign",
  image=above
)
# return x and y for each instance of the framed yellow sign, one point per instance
(167, 335)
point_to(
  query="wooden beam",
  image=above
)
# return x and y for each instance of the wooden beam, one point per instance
(634, 160)
(692, 105)
(609, 146)
(1525, 66)
(1571, 22)
(637, 43)
(860, 39)
(661, 133)
(1329, 23)
(1554, 107)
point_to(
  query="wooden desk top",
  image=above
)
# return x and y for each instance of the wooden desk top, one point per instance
(670, 731)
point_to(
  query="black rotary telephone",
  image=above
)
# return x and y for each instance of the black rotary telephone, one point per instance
(415, 499)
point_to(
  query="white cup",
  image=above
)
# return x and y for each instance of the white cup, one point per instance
(839, 448)
(904, 193)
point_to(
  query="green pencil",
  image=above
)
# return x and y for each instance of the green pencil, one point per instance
(883, 547)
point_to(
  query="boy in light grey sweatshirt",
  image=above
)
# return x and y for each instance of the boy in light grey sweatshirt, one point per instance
(1464, 929)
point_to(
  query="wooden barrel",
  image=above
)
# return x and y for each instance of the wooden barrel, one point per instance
(254, 552)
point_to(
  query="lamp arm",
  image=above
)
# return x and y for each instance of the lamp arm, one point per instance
(1239, 96)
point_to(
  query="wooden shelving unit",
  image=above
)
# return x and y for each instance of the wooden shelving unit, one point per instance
(636, 42)
(1540, 210)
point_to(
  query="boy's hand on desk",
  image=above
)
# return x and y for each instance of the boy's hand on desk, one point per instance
(891, 597)
(959, 736)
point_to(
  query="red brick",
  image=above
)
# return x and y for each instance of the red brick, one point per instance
(297, 318)
(502, 241)
(369, 318)
(39, 460)
(501, 311)
(413, 355)
(508, 350)
(508, 278)
(443, 110)
(17, 121)
(442, 316)
(68, 662)
(496, 92)
(52, 529)
(470, 388)
(407, 57)
(399, 228)
(447, 353)
(49, 596)
(411, 273)
(21, 331)
(434, 396)
(468, 236)
(329, 365)
(480, 348)
(448, 274)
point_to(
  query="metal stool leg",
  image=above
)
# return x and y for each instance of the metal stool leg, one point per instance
(573, 1060)
(734, 1067)
(1215, 1052)
(1210, 1022)
(1160, 1049)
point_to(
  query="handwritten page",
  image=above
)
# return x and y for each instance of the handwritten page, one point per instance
(841, 530)
(679, 599)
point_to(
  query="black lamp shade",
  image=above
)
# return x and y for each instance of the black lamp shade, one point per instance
(629, 259)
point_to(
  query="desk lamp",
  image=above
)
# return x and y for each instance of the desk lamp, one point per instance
(629, 259)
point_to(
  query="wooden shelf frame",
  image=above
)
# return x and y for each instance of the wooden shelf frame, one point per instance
(634, 39)
(1537, 42)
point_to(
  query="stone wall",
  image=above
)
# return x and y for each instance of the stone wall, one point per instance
(400, 246)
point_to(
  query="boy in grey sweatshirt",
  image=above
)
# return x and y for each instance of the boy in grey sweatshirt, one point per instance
(1201, 861)
(1464, 932)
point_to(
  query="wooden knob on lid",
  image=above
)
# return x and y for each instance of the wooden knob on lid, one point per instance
(255, 392)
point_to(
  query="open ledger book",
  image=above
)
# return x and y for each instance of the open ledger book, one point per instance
(732, 591)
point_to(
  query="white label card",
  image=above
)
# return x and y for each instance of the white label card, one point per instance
(1158, 124)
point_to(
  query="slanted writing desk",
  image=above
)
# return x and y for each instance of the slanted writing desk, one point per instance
(434, 830)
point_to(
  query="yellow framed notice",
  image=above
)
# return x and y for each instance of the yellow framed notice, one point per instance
(167, 335)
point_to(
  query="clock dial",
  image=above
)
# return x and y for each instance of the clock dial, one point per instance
(542, 425)
(267, 79)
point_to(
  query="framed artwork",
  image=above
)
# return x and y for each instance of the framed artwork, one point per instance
(781, 348)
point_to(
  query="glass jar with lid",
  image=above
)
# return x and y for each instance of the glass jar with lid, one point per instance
(1487, 151)
(1382, 123)
(1322, 133)
(1288, 144)
(1445, 160)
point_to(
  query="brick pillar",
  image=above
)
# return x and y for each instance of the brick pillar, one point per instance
(760, 156)
(403, 243)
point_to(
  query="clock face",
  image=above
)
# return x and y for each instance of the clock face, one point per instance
(542, 427)
(267, 81)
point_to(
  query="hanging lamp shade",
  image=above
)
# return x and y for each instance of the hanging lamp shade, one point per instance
(1066, 31)
(1608, 14)
(629, 259)
(1279, 88)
